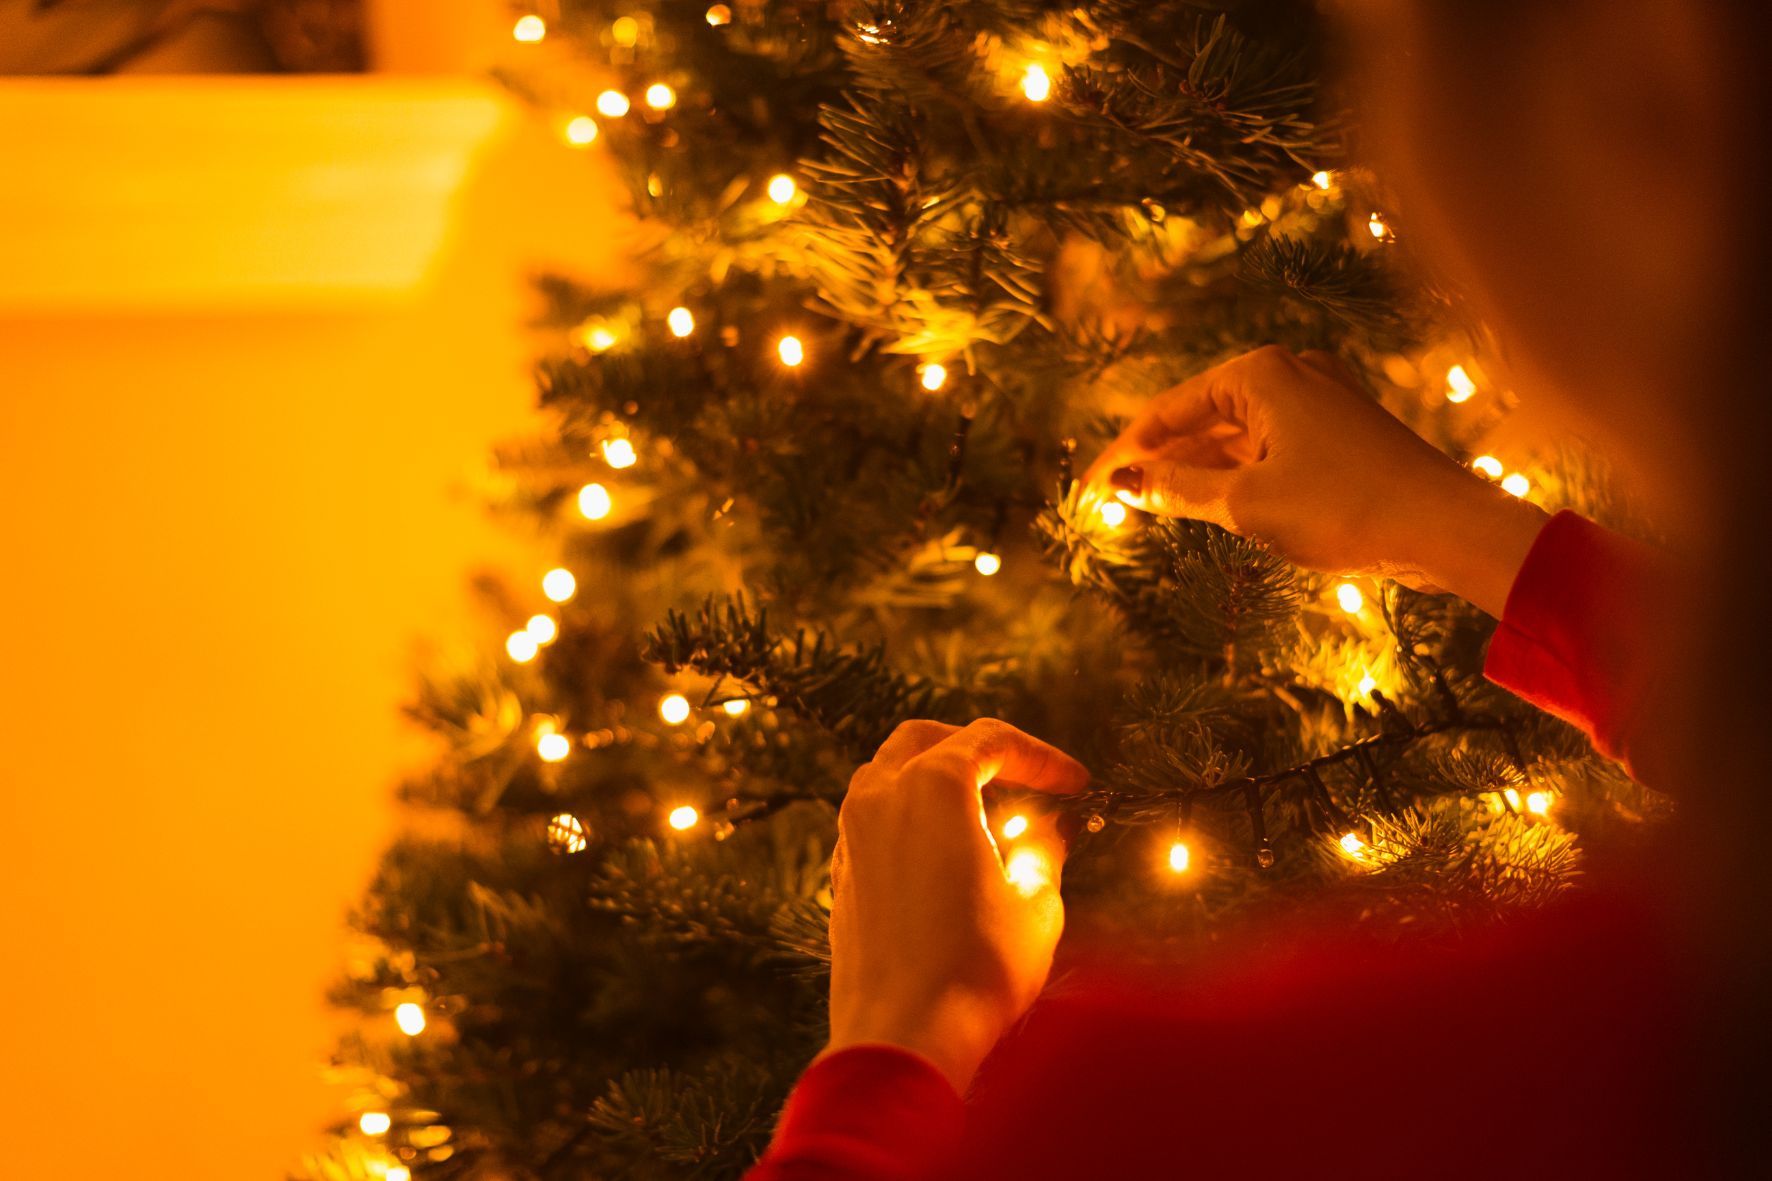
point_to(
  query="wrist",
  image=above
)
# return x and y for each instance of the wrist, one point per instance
(1473, 539)
(952, 1040)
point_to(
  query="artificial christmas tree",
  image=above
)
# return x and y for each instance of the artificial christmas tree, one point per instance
(817, 476)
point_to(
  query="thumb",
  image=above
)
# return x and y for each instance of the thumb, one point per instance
(1176, 490)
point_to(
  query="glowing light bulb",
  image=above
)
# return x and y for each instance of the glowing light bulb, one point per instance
(566, 834)
(1322, 179)
(934, 376)
(553, 747)
(619, 453)
(660, 97)
(1380, 228)
(987, 563)
(612, 103)
(410, 1018)
(1459, 386)
(782, 188)
(684, 818)
(1538, 802)
(625, 31)
(594, 502)
(791, 351)
(1179, 857)
(736, 708)
(542, 629)
(1487, 465)
(1353, 846)
(1349, 597)
(1014, 827)
(681, 322)
(674, 709)
(558, 584)
(1027, 871)
(598, 338)
(521, 647)
(397, 1173)
(719, 15)
(374, 1123)
(1113, 512)
(1514, 484)
(1036, 83)
(529, 29)
(581, 131)
(1367, 684)
(1513, 797)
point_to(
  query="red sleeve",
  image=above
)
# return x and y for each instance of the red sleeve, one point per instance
(1578, 637)
(865, 1113)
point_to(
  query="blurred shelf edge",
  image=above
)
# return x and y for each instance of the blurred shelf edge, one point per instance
(236, 193)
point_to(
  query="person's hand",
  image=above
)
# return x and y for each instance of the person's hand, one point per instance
(939, 942)
(1286, 450)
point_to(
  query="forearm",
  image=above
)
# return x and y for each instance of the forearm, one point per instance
(1469, 538)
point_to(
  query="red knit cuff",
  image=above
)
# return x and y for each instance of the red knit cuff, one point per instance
(873, 1111)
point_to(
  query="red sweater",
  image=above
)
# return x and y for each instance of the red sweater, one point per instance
(1542, 1048)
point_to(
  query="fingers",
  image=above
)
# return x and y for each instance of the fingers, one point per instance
(1034, 859)
(1177, 490)
(1192, 406)
(991, 749)
(909, 739)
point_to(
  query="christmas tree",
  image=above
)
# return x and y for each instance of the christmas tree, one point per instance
(815, 476)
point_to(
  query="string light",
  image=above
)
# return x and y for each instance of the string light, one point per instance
(1353, 846)
(625, 31)
(681, 322)
(594, 502)
(521, 647)
(553, 747)
(1350, 598)
(674, 709)
(558, 584)
(1459, 386)
(1512, 797)
(1538, 802)
(736, 708)
(987, 563)
(1014, 827)
(410, 1018)
(1487, 465)
(542, 629)
(374, 1123)
(529, 29)
(719, 15)
(791, 351)
(1322, 180)
(1179, 857)
(1113, 512)
(1367, 684)
(612, 103)
(1027, 872)
(1036, 83)
(598, 338)
(619, 453)
(934, 375)
(684, 818)
(660, 97)
(1380, 228)
(581, 131)
(397, 1173)
(782, 188)
(566, 834)
(1514, 484)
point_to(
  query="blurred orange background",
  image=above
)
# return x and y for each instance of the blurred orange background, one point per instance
(229, 518)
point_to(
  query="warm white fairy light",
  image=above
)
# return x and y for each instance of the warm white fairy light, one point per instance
(987, 563)
(782, 188)
(542, 629)
(1349, 597)
(1036, 83)
(1538, 802)
(681, 322)
(558, 584)
(397, 1173)
(619, 453)
(612, 103)
(660, 97)
(1179, 857)
(934, 375)
(1459, 386)
(1380, 228)
(581, 131)
(1322, 179)
(552, 747)
(1512, 797)
(1113, 512)
(674, 709)
(684, 818)
(521, 647)
(1027, 871)
(594, 502)
(374, 1123)
(529, 29)
(1014, 827)
(1367, 684)
(599, 338)
(1487, 465)
(791, 351)
(1514, 484)
(719, 15)
(625, 31)
(736, 708)
(566, 834)
(410, 1018)
(1352, 845)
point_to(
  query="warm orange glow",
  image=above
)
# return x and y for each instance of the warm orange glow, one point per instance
(1179, 857)
(660, 97)
(529, 29)
(934, 375)
(553, 747)
(1322, 179)
(1353, 846)
(987, 563)
(736, 708)
(374, 1123)
(1514, 484)
(1459, 385)
(598, 338)
(542, 629)
(674, 709)
(719, 15)
(1014, 827)
(1367, 684)
(581, 131)
(1487, 465)
(558, 584)
(521, 647)
(791, 351)
(397, 1173)
(1113, 512)
(566, 834)
(1512, 797)
(1538, 802)
(1036, 83)
(594, 502)
(619, 453)
(410, 1018)
(684, 818)
(1349, 597)
(625, 31)
(612, 103)
(681, 322)
(1380, 228)
(1028, 871)
(782, 188)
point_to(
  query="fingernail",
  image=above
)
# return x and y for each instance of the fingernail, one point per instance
(1128, 480)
